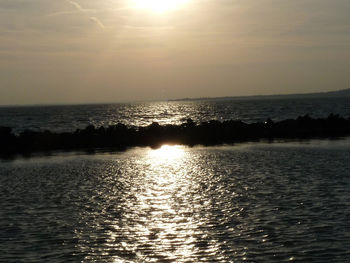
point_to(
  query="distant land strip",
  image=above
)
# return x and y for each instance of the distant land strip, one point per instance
(344, 93)
(120, 136)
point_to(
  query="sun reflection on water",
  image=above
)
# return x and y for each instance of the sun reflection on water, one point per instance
(162, 219)
(165, 183)
(178, 204)
(166, 153)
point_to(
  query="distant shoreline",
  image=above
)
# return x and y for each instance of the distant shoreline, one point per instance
(344, 93)
(121, 137)
(326, 94)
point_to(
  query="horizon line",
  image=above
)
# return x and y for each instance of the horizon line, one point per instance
(175, 99)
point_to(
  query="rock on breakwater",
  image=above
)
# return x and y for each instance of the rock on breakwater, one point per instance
(213, 132)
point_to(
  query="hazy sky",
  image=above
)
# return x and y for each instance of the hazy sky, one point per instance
(61, 51)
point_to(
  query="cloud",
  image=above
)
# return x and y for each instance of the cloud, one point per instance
(76, 5)
(80, 9)
(97, 21)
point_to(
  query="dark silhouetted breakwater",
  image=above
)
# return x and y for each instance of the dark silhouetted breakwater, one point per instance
(120, 136)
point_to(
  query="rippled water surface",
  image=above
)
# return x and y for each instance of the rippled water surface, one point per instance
(69, 118)
(243, 203)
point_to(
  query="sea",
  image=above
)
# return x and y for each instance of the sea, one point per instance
(266, 201)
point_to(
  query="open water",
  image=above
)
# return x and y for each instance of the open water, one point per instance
(72, 117)
(251, 202)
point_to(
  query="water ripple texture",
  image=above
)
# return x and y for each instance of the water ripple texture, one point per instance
(72, 117)
(244, 203)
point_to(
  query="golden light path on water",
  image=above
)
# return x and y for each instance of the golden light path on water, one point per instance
(162, 219)
(166, 154)
(241, 203)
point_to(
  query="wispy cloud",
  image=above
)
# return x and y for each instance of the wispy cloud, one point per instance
(80, 10)
(76, 5)
(97, 21)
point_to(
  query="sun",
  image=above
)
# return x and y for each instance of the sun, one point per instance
(158, 6)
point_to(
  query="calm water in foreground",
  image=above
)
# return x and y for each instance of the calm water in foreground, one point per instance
(254, 202)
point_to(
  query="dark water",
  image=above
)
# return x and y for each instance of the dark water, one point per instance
(69, 118)
(244, 203)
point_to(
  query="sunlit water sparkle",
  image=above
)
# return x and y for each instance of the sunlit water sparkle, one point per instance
(72, 117)
(244, 203)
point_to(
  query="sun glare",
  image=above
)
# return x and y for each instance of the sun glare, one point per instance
(158, 6)
(167, 153)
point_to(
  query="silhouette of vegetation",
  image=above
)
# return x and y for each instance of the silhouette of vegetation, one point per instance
(119, 136)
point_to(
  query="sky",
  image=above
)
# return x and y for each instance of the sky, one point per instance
(93, 51)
